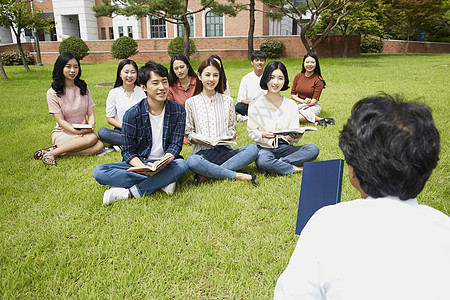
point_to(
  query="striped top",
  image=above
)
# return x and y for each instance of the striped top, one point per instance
(213, 117)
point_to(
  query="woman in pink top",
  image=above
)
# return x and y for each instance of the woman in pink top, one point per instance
(182, 79)
(70, 101)
(306, 90)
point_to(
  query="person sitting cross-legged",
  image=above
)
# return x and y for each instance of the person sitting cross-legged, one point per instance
(151, 129)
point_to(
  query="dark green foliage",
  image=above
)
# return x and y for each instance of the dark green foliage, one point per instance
(442, 35)
(273, 48)
(12, 58)
(176, 46)
(76, 46)
(124, 47)
(371, 45)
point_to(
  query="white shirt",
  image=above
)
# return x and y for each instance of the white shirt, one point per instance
(262, 119)
(157, 123)
(212, 117)
(380, 249)
(118, 102)
(249, 88)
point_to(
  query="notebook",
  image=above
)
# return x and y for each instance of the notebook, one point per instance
(321, 186)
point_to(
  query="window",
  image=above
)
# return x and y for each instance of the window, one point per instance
(130, 31)
(111, 33)
(214, 24)
(120, 31)
(157, 28)
(180, 27)
(103, 29)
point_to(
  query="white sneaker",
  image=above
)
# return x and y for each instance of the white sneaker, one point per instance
(114, 194)
(105, 151)
(241, 118)
(117, 148)
(169, 189)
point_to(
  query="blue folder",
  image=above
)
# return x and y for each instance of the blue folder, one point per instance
(321, 186)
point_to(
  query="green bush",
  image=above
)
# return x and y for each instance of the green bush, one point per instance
(12, 58)
(371, 45)
(176, 46)
(124, 47)
(273, 48)
(76, 46)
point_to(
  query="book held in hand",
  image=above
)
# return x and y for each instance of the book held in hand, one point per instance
(219, 141)
(321, 186)
(300, 130)
(151, 167)
(82, 126)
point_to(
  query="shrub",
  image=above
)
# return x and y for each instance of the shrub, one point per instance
(124, 47)
(76, 46)
(12, 58)
(176, 46)
(273, 48)
(371, 45)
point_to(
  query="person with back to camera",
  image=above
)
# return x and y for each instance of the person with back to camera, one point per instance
(272, 112)
(152, 129)
(384, 245)
(125, 94)
(306, 90)
(211, 114)
(70, 101)
(182, 80)
(249, 88)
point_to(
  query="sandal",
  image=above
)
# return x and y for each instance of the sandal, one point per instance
(198, 180)
(40, 153)
(49, 159)
(323, 122)
(254, 179)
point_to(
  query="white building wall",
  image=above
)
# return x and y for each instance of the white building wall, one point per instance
(75, 18)
(124, 21)
(6, 36)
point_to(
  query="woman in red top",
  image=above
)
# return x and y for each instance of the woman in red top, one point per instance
(182, 79)
(306, 90)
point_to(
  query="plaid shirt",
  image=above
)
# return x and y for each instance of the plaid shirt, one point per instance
(137, 131)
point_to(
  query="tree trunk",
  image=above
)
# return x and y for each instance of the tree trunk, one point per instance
(187, 34)
(407, 43)
(345, 43)
(2, 70)
(22, 55)
(251, 29)
(307, 46)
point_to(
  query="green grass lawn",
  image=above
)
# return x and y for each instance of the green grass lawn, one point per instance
(223, 239)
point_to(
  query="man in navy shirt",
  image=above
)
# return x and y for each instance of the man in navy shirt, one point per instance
(151, 130)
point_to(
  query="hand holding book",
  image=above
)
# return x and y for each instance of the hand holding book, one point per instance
(153, 168)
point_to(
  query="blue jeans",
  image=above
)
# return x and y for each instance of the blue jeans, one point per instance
(241, 108)
(114, 174)
(222, 162)
(282, 159)
(110, 136)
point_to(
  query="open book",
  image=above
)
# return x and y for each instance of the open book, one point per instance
(300, 130)
(222, 140)
(151, 167)
(82, 126)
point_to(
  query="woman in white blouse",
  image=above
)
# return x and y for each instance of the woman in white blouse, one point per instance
(123, 96)
(210, 115)
(273, 112)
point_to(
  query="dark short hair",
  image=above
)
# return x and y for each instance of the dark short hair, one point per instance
(172, 76)
(392, 145)
(317, 69)
(59, 82)
(123, 63)
(151, 66)
(199, 85)
(258, 54)
(272, 66)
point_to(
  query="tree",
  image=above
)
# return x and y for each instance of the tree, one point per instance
(251, 28)
(18, 15)
(2, 70)
(172, 11)
(363, 19)
(296, 10)
(405, 16)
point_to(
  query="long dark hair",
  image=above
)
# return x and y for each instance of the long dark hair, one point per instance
(215, 56)
(123, 63)
(172, 76)
(199, 85)
(59, 83)
(317, 69)
(267, 74)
